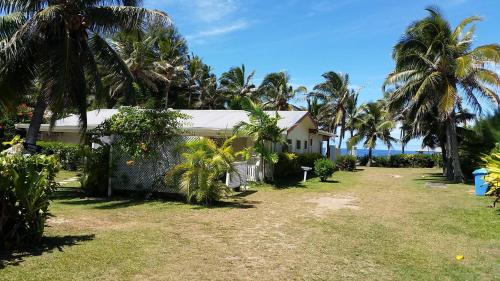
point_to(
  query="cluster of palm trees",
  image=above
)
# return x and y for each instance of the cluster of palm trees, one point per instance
(438, 74)
(70, 56)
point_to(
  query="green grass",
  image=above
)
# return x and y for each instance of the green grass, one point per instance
(401, 230)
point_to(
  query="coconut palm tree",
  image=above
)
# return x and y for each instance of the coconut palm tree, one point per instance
(276, 91)
(236, 84)
(334, 92)
(373, 124)
(352, 112)
(58, 45)
(436, 67)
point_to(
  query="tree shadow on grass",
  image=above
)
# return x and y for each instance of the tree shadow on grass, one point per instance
(48, 245)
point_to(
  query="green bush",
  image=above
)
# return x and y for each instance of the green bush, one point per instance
(71, 156)
(346, 163)
(26, 183)
(95, 175)
(308, 159)
(405, 161)
(324, 168)
(287, 165)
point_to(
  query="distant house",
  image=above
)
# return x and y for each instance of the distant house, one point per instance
(302, 133)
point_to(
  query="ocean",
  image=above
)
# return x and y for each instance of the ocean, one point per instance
(383, 152)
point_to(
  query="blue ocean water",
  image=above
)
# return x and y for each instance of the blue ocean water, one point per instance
(383, 152)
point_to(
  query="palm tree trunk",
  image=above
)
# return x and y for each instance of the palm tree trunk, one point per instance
(369, 157)
(456, 174)
(402, 141)
(35, 124)
(167, 91)
(342, 131)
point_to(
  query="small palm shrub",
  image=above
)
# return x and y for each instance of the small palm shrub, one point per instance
(346, 163)
(94, 179)
(493, 178)
(26, 183)
(404, 161)
(324, 168)
(203, 169)
(287, 165)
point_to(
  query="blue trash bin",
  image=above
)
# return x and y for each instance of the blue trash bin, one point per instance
(481, 186)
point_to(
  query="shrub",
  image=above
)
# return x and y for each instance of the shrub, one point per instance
(308, 159)
(405, 161)
(493, 178)
(95, 175)
(287, 165)
(346, 163)
(26, 183)
(324, 168)
(71, 156)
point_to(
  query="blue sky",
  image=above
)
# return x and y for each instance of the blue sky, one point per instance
(308, 38)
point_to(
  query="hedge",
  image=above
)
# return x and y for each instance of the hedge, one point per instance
(404, 161)
(71, 156)
(289, 164)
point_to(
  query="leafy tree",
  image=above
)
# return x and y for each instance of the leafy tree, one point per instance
(263, 129)
(334, 92)
(436, 67)
(58, 45)
(276, 91)
(373, 124)
(204, 165)
(203, 86)
(236, 84)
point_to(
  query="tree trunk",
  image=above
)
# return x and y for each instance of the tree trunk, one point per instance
(342, 131)
(352, 135)
(444, 158)
(402, 141)
(451, 137)
(167, 91)
(35, 124)
(369, 164)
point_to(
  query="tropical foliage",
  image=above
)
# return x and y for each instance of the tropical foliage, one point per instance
(263, 129)
(236, 84)
(202, 170)
(437, 71)
(139, 132)
(492, 161)
(276, 91)
(26, 183)
(373, 123)
(56, 47)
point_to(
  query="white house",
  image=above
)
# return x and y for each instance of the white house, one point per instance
(302, 132)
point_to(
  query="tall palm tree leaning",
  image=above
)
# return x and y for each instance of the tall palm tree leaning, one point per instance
(372, 124)
(436, 67)
(58, 45)
(276, 91)
(334, 92)
(236, 84)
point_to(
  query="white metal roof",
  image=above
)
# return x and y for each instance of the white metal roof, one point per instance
(201, 120)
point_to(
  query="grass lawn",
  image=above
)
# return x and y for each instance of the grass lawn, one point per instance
(375, 224)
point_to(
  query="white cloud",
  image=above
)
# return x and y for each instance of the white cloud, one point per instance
(213, 10)
(219, 31)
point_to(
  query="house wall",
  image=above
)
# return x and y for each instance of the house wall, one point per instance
(301, 133)
(66, 137)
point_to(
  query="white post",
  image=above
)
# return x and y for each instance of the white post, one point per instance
(110, 164)
(305, 175)
(227, 179)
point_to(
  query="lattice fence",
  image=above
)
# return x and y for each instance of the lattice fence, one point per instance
(147, 175)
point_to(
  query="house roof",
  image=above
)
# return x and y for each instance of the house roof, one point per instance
(201, 120)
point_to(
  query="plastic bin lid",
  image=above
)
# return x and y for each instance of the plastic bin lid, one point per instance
(480, 171)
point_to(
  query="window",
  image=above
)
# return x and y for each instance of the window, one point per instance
(305, 144)
(298, 144)
(310, 142)
(289, 141)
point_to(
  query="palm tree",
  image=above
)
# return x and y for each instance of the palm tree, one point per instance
(204, 165)
(263, 129)
(373, 124)
(58, 45)
(336, 95)
(352, 112)
(236, 84)
(436, 68)
(276, 91)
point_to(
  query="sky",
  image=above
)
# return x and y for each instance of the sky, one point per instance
(308, 38)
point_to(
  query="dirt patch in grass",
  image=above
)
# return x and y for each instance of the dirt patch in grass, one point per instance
(326, 204)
